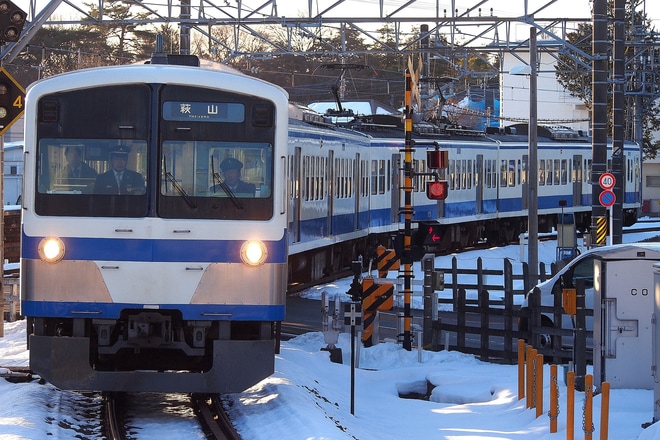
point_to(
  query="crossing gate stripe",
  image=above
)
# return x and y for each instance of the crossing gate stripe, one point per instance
(374, 296)
(386, 260)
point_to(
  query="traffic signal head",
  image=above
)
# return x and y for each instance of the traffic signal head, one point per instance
(437, 190)
(12, 20)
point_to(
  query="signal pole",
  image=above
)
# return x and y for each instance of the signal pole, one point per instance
(407, 211)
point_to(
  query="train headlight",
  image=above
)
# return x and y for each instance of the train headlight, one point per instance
(253, 253)
(51, 249)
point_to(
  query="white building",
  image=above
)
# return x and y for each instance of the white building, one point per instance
(555, 105)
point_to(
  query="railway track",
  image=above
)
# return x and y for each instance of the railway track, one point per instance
(207, 411)
(213, 417)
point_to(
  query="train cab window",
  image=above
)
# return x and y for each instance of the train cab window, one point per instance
(92, 177)
(209, 179)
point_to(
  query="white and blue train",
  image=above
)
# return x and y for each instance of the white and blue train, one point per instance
(169, 280)
(345, 188)
(173, 278)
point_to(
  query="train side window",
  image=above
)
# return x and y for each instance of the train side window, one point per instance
(503, 174)
(381, 177)
(452, 174)
(512, 173)
(469, 173)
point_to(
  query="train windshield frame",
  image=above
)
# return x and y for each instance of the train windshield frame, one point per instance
(184, 142)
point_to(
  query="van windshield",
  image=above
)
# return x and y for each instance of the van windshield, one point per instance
(584, 270)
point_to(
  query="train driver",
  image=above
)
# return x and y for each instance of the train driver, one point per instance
(77, 175)
(119, 179)
(231, 169)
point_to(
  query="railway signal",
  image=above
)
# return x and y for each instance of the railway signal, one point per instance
(437, 189)
(437, 159)
(433, 234)
(12, 97)
(12, 20)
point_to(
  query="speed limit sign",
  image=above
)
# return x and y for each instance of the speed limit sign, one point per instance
(607, 181)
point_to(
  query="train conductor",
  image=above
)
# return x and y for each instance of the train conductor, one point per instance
(231, 169)
(119, 179)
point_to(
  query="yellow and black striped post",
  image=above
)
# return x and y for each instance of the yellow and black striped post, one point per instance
(407, 212)
(601, 231)
(386, 260)
(375, 296)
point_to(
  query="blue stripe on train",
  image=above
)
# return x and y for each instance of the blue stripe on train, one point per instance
(123, 249)
(220, 312)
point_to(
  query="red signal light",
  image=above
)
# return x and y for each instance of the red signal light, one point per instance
(437, 190)
(433, 234)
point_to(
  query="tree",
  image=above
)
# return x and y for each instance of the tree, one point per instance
(58, 49)
(126, 41)
(574, 74)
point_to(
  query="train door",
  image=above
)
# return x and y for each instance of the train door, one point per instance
(294, 194)
(479, 183)
(524, 182)
(330, 172)
(356, 192)
(577, 180)
(395, 187)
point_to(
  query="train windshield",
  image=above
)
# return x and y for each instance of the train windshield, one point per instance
(211, 179)
(113, 171)
(155, 150)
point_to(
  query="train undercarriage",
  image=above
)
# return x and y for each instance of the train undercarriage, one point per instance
(323, 262)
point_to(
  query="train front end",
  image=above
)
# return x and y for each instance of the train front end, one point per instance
(145, 266)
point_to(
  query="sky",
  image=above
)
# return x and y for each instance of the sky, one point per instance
(309, 397)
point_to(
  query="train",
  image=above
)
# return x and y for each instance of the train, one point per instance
(173, 279)
(164, 283)
(346, 190)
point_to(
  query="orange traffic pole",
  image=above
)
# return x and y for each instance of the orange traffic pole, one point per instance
(539, 385)
(588, 407)
(531, 355)
(605, 411)
(570, 405)
(521, 369)
(554, 399)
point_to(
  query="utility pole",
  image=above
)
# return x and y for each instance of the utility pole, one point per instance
(599, 119)
(618, 109)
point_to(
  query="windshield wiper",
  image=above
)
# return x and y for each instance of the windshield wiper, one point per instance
(224, 186)
(227, 190)
(182, 192)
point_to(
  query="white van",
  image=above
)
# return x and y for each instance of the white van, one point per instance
(582, 267)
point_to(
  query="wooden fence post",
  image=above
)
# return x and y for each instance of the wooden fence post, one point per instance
(508, 311)
(460, 318)
(484, 305)
(534, 320)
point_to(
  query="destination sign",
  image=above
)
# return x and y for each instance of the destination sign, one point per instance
(203, 111)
